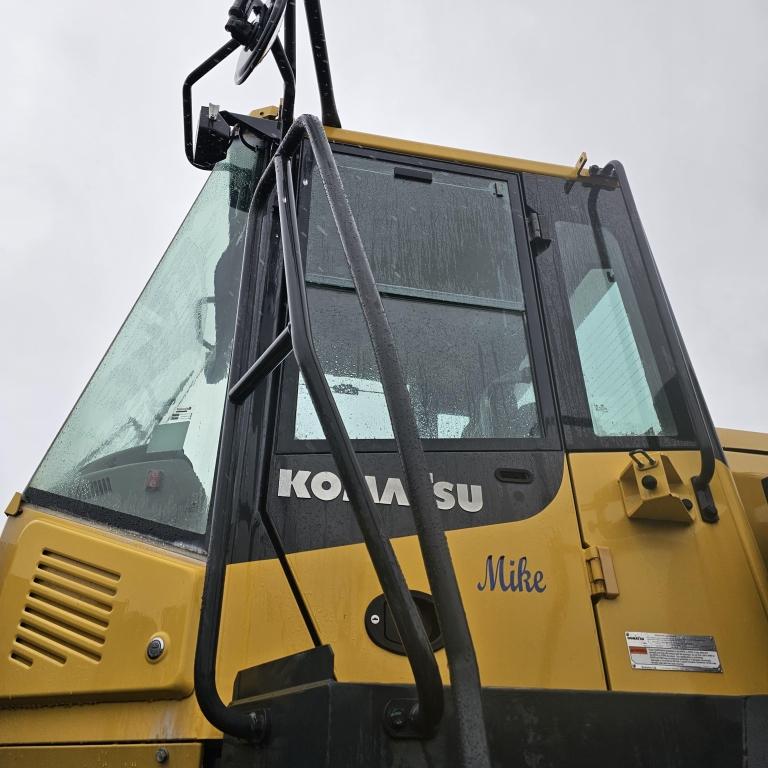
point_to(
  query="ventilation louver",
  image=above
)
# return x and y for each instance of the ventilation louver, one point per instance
(66, 612)
(100, 487)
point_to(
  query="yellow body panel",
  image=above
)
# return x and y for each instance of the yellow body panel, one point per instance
(540, 640)
(741, 440)
(79, 607)
(260, 622)
(159, 720)
(695, 579)
(749, 472)
(747, 455)
(101, 756)
(452, 155)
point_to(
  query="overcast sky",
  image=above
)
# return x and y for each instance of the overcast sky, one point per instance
(93, 179)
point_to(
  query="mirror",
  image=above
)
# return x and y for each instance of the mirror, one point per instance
(263, 17)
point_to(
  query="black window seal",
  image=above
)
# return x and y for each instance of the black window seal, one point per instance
(401, 292)
(164, 535)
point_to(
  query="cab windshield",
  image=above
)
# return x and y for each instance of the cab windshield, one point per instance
(142, 440)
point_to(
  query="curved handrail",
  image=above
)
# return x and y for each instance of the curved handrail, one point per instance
(410, 626)
(462, 661)
(253, 726)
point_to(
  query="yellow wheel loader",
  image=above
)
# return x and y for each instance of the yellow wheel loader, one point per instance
(398, 460)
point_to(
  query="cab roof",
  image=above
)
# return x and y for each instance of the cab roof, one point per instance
(465, 156)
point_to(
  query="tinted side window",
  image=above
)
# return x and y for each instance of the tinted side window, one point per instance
(617, 384)
(625, 391)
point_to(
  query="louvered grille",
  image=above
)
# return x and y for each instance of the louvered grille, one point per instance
(99, 487)
(66, 612)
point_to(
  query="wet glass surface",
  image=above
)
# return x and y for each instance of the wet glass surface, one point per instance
(442, 249)
(143, 437)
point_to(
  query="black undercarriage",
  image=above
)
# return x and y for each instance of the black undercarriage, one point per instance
(331, 724)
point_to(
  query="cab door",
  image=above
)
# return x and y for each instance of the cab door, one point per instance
(687, 614)
(449, 250)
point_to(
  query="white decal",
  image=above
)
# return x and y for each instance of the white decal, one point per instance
(672, 653)
(394, 490)
(326, 486)
(298, 482)
(474, 504)
(443, 495)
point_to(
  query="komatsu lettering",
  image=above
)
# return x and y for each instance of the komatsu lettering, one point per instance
(326, 486)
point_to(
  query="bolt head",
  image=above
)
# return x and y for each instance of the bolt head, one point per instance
(398, 717)
(155, 648)
(161, 755)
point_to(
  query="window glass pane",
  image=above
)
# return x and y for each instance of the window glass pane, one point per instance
(442, 249)
(143, 438)
(625, 390)
(466, 368)
(452, 236)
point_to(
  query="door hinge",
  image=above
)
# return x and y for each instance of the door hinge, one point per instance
(537, 229)
(602, 575)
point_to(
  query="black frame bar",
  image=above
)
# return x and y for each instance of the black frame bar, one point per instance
(705, 438)
(379, 548)
(254, 725)
(424, 715)
(322, 65)
(186, 95)
(270, 359)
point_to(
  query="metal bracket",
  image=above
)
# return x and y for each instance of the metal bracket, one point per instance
(265, 127)
(14, 505)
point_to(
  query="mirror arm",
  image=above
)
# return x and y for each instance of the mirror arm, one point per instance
(186, 95)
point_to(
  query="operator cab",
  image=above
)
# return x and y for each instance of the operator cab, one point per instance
(450, 248)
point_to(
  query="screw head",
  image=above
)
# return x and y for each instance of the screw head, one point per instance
(161, 755)
(398, 717)
(649, 482)
(375, 619)
(155, 648)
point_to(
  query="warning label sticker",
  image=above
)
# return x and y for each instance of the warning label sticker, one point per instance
(675, 653)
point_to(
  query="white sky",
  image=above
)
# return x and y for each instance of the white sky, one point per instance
(93, 179)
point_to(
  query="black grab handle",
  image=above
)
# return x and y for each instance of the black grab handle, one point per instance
(426, 713)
